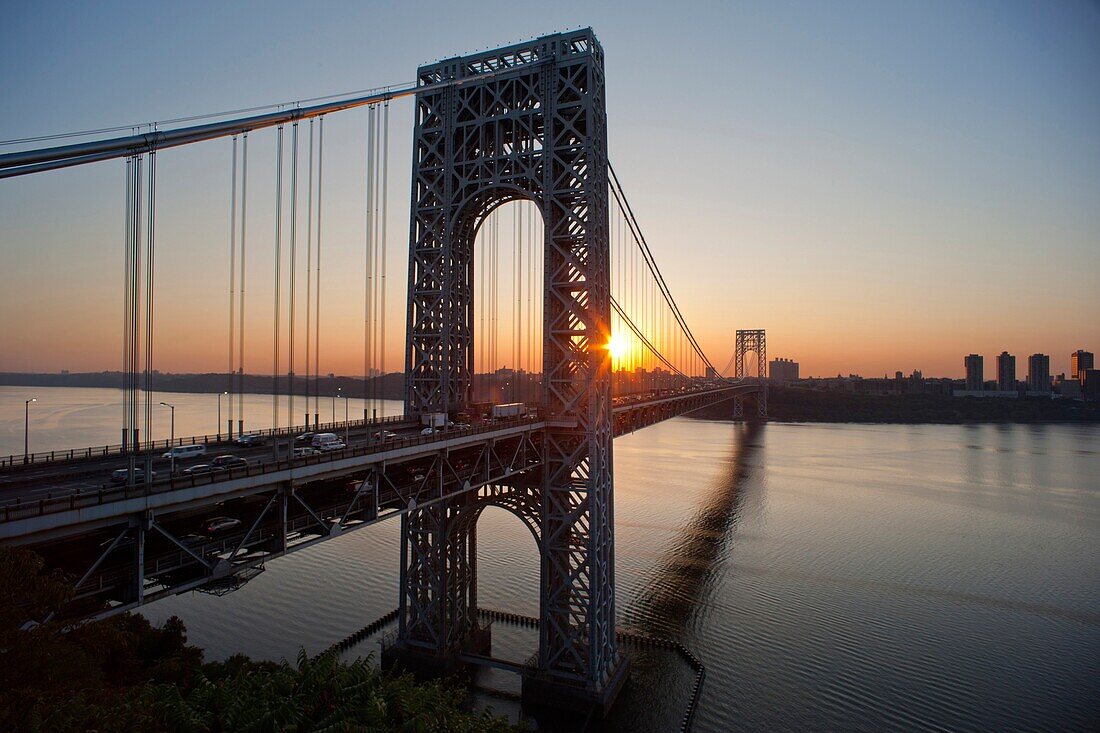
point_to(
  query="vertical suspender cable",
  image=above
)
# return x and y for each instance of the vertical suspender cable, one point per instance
(278, 282)
(479, 305)
(232, 281)
(382, 243)
(134, 316)
(317, 304)
(309, 264)
(128, 233)
(293, 247)
(492, 277)
(374, 255)
(150, 251)
(517, 312)
(240, 344)
(530, 287)
(368, 284)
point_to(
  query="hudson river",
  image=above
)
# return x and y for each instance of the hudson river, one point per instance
(829, 576)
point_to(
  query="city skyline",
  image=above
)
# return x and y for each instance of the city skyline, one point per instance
(860, 204)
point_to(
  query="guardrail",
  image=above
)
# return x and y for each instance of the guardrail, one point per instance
(50, 504)
(54, 456)
(17, 460)
(79, 499)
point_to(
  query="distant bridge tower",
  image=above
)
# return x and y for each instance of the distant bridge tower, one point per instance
(522, 122)
(754, 341)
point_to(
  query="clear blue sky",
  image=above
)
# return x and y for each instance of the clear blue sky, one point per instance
(881, 185)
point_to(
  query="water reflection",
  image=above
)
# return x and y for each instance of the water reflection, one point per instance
(686, 573)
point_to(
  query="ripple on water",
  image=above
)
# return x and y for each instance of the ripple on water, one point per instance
(830, 577)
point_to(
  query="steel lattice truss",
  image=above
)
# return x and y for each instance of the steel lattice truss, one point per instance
(283, 518)
(534, 129)
(754, 341)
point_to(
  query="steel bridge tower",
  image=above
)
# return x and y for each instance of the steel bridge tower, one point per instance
(522, 122)
(754, 341)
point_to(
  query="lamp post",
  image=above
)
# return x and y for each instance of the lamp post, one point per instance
(334, 403)
(346, 434)
(26, 427)
(220, 415)
(172, 440)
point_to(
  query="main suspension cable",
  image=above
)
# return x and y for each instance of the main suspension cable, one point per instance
(643, 246)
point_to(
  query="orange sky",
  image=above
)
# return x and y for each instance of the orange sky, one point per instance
(879, 193)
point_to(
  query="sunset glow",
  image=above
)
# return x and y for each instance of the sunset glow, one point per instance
(619, 347)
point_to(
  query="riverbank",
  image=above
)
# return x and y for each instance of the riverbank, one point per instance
(792, 404)
(388, 387)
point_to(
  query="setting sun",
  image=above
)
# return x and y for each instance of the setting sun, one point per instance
(619, 347)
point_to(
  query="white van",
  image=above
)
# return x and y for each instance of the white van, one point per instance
(185, 451)
(328, 442)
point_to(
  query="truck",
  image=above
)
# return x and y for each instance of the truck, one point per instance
(508, 409)
(326, 442)
(434, 419)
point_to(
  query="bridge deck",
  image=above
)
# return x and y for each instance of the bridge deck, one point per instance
(69, 495)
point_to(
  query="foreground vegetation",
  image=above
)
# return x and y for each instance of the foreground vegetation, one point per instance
(123, 674)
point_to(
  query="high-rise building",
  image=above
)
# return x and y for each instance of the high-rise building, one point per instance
(1006, 372)
(783, 370)
(1090, 384)
(1038, 373)
(975, 372)
(1079, 361)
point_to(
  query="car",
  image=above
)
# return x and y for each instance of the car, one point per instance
(200, 469)
(306, 451)
(185, 451)
(326, 442)
(386, 436)
(119, 476)
(429, 431)
(251, 440)
(306, 438)
(229, 461)
(218, 525)
(196, 543)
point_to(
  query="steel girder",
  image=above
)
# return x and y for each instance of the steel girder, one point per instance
(534, 130)
(751, 340)
(438, 605)
(286, 518)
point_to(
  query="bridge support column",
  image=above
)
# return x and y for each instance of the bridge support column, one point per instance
(753, 340)
(438, 611)
(532, 127)
(139, 556)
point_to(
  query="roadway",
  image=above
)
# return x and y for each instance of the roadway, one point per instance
(63, 477)
(82, 490)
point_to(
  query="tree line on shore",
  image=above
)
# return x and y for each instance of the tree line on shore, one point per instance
(124, 674)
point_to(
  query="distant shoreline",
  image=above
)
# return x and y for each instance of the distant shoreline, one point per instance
(797, 405)
(785, 404)
(390, 387)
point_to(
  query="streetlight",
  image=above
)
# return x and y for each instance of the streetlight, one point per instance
(220, 415)
(172, 441)
(346, 398)
(26, 427)
(334, 404)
